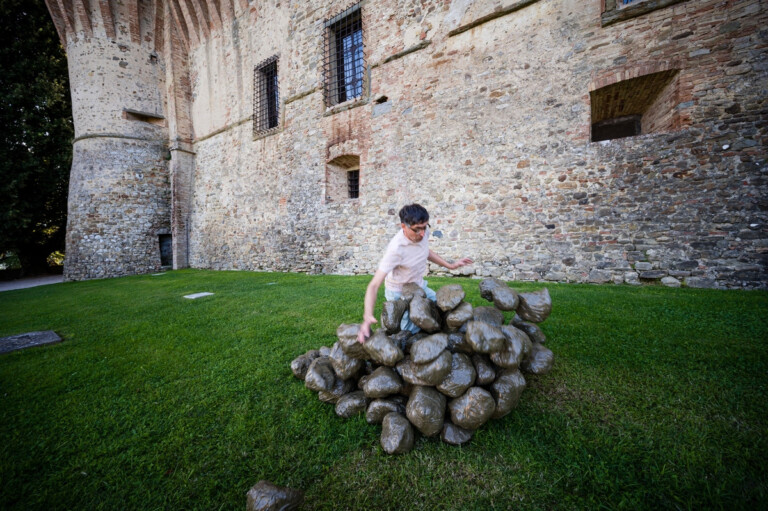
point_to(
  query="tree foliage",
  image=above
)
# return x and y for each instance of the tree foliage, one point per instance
(35, 134)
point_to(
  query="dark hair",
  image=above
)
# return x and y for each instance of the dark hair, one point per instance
(413, 214)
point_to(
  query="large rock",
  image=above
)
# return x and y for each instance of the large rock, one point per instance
(506, 391)
(426, 409)
(505, 298)
(379, 408)
(428, 348)
(396, 434)
(347, 335)
(265, 496)
(449, 297)
(490, 315)
(407, 370)
(461, 377)
(382, 350)
(484, 337)
(383, 382)
(458, 316)
(391, 314)
(320, 375)
(434, 372)
(344, 365)
(473, 409)
(424, 314)
(531, 329)
(351, 404)
(484, 369)
(488, 285)
(340, 388)
(454, 435)
(300, 364)
(410, 290)
(403, 340)
(539, 361)
(535, 307)
(458, 343)
(516, 345)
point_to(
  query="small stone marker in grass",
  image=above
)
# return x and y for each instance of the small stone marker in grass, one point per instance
(21, 341)
(197, 295)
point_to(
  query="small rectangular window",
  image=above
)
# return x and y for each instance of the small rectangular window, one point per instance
(344, 59)
(266, 97)
(618, 127)
(353, 183)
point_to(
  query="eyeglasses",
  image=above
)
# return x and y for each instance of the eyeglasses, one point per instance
(420, 229)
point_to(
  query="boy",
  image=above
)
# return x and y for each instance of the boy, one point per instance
(404, 261)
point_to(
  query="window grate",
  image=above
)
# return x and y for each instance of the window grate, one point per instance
(344, 62)
(266, 96)
(353, 183)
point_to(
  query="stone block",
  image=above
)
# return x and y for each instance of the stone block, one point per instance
(700, 282)
(652, 275)
(670, 282)
(599, 276)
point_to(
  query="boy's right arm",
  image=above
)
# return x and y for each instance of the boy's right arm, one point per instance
(369, 305)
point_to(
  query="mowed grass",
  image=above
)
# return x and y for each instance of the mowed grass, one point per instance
(657, 400)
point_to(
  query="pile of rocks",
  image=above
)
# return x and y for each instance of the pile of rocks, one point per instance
(464, 368)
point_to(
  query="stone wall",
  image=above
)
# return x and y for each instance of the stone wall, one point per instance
(481, 111)
(490, 130)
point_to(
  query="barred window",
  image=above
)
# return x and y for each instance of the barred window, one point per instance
(342, 178)
(266, 97)
(353, 183)
(344, 60)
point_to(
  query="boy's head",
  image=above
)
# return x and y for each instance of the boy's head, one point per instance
(414, 220)
(414, 214)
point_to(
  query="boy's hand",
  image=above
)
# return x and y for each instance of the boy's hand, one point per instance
(462, 262)
(365, 329)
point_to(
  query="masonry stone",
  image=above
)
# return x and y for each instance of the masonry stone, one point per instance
(632, 278)
(700, 282)
(480, 110)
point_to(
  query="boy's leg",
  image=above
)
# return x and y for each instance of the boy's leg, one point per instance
(430, 294)
(405, 323)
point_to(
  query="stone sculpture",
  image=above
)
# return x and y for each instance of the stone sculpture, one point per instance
(448, 381)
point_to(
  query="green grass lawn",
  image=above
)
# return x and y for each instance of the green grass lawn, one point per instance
(657, 399)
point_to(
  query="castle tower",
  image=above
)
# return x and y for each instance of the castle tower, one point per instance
(120, 197)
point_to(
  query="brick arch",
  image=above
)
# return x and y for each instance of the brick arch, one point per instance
(640, 99)
(609, 77)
